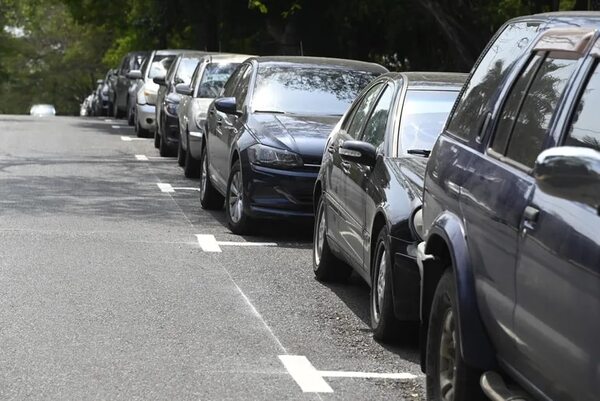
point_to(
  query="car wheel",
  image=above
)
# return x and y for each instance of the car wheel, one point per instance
(237, 219)
(191, 167)
(448, 377)
(164, 149)
(386, 327)
(180, 154)
(326, 266)
(210, 198)
(156, 138)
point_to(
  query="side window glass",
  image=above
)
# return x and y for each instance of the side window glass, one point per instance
(242, 88)
(489, 72)
(585, 125)
(362, 111)
(538, 107)
(233, 80)
(512, 105)
(374, 131)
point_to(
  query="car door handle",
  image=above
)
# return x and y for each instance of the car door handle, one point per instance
(346, 167)
(530, 217)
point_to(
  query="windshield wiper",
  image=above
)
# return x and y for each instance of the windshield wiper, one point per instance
(421, 152)
(270, 111)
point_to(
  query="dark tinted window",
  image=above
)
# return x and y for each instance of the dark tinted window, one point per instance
(160, 65)
(242, 88)
(186, 70)
(512, 105)
(361, 111)
(423, 117)
(374, 132)
(307, 90)
(214, 78)
(491, 70)
(585, 127)
(538, 107)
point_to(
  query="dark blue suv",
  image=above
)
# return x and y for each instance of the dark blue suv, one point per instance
(510, 265)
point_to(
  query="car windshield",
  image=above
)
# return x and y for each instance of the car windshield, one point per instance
(214, 78)
(423, 117)
(285, 89)
(160, 65)
(186, 69)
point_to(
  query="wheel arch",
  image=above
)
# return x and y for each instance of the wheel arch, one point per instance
(447, 243)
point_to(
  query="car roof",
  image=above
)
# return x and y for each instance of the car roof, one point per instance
(171, 52)
(224, 57)
(430, 80)
(322, 62)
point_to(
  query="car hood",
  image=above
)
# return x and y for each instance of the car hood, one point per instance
(305, 135)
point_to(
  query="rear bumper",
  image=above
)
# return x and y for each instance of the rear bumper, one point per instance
(278, 193)
(146, 116)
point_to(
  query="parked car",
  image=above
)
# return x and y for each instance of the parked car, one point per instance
(369, 184)
(207, 83)
(166, 136)
(145, 105)
(511, 258)
(136, 82)
(86, 106)
(131, 61)
(42, 110)
(102, 103)
(266, 135)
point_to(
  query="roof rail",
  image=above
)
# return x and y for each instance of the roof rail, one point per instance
(571, 40)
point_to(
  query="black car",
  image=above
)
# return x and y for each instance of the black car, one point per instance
(265, 137)
(121, 83)
(369, 186)
(166, 136)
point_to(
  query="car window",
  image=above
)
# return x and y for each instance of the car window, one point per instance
(186, 68)
(374, 131)
(585, 124)
(361, 111)
(160, 65)
(171, 71)
(241, 90)
(489, 72)
(214, 77)
(424, 114)
(231, 83)
(538, 107)
(512, 104)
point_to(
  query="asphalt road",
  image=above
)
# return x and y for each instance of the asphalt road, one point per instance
(106, 292)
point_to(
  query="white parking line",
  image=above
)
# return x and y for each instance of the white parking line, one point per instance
(368, 375)
(304, 373)
(165, 187)
(208, 243)
(142, 158)
(187, 188)
(129, 139)
(234, 243)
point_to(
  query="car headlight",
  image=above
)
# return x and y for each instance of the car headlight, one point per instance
(171, 108)
(416, 223)
(268, 156)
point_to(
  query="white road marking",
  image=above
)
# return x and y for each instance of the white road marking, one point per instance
(304, 373)
(234, 243)
(142, 158)
(164, 187)
(108, 120)
(186, 188)
(368, 375)
(129, 139)
(208, 243)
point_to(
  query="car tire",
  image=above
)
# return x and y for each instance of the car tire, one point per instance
(191, 166)
(450, 374)
(326, 266)
(156, 138)
(238, 221)
(164, 150)
(180, 154)
(210, 198)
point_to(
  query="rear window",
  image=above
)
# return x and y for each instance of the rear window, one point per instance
(286, 89)
(423, 117)
(489, 73)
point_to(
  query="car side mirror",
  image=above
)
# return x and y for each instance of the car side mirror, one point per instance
(160, 81)
(358, 152)
(571, 173)
(227, 105)
(183, 89)
(134, 74)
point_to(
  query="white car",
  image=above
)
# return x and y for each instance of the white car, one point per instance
(42, 110)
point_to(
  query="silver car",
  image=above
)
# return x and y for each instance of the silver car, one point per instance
(206, 85)
(146, 90)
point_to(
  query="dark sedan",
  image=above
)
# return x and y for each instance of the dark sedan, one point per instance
(370, 185)
(267, 134)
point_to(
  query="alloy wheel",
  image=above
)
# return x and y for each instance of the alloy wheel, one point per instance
(320, 237)
(448, 357)
(380, 285)
(203, 176)
(236, 201)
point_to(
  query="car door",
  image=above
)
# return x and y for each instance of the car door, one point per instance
(499, 187)
(225, 129)
(557, 318)
(121, 87)
(344, 225)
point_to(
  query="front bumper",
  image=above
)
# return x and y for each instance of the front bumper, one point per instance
(171, 128)
(146, 116)
(279, 193)
(196, 138)
(406, 279)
